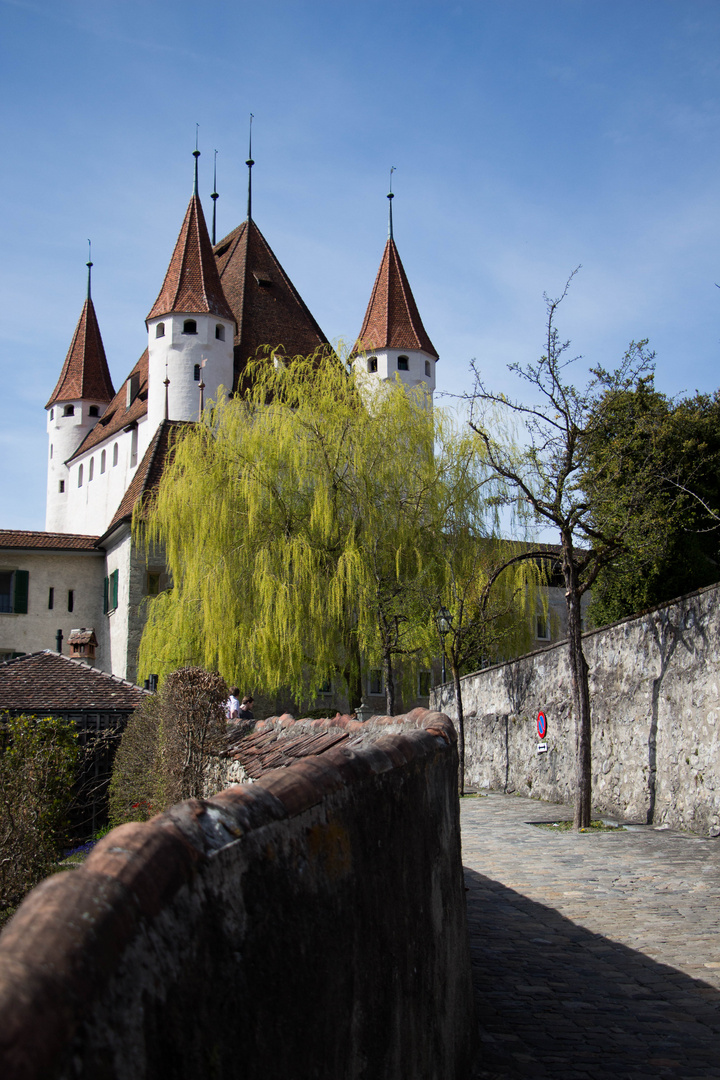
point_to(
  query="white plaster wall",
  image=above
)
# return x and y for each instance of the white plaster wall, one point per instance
(181, 352)
(119, 557)
(65, 433)
(388, 369)
(83, 572)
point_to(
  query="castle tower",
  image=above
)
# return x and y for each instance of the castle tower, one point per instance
(393, 341)
(80, 398)
(190, 327)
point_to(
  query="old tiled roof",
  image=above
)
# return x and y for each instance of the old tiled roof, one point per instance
(46, 682)
(18, 538)
(267, 306)
(149, 471)
(85, 375)
(258, 753)
(392, 320)
(192, 283)
(118, 416)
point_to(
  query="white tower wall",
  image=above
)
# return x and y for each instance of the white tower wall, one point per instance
(65, 433)
(182, 351)
(420, 369)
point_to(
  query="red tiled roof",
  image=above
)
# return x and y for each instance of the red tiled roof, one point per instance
(258, 753)
(117, 416)
(46, 682)
(85, 375)
(18, 538)
(392, 320)
(268, 308)
(192, 282)
(149, 471)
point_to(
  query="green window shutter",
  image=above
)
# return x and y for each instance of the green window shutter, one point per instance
(22, 585)
(114, 588)
(106, 605)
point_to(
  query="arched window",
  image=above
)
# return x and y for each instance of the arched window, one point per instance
(93, 410)
(160, 330)
(190, 326)
(91, 470)
(102, 462)
(427, 368)
(372, 364)
(69, 410)
(80, 476)
(115, 454)
(220, 332)
(403, 363)
(196, 373)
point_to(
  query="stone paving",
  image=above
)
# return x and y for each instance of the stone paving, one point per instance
(594, 954)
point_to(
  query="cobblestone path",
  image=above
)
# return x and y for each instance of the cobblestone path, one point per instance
(594, 954)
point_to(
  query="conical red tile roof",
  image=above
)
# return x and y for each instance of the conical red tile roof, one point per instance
(392, 320)
(267, 306)
(85, 375)
(192, 283)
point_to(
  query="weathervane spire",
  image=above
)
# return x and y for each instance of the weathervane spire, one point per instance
(250, 164)
(196, 155)
(214, 197)
(89, 265)
(390, 199)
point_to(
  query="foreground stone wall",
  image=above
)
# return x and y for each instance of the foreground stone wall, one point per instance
(310, 924)
(655, 693)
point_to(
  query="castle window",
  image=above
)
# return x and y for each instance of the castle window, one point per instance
(133, 447)
(190, 326)
(52, 414)
(80, 476)
(115, 454)
(91, 471)
(71, 599)
(153, 583)
(220, 332)
(542, 627)
(160, 330)
(110, 592)
(93, 410)
(376, 683)
(372, 364)
(196, 373)
(427, 368)
(14, 587)
(102, 462)
(403, 364)
(69, 410)
(51, 599)
(61, 486)
(51, 451)
(424, 682)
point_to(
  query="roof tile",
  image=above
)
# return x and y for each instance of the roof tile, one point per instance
(48, 682)
(20, 538)
(392, 320)
(85, 375)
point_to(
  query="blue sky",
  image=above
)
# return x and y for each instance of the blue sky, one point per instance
(529, 137)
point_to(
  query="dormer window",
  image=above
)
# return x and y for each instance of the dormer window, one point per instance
(190, 326)
(220, 332)
(94, 410)
(69, 410)
(160, 330)
(372, 364)
(403, 363)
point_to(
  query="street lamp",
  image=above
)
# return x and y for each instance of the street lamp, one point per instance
(443, 621)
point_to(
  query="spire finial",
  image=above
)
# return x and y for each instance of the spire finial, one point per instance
(214, 197)
(89, 265)
(250, 164)
(390, 199)
(196, 155)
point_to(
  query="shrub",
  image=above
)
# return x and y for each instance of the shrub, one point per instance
(38, 760)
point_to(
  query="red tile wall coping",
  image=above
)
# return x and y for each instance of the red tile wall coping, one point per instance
(68, 938)
(287, 722)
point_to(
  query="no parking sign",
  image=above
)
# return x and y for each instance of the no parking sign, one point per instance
(541, 725)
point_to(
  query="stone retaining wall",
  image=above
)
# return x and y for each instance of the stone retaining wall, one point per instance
(309, 925)
(655, 694)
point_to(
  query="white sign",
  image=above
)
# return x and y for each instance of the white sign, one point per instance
(542, 748)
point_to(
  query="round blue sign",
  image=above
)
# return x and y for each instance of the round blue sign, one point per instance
(541, 725)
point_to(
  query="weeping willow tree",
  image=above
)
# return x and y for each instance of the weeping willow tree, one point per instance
(295, 523)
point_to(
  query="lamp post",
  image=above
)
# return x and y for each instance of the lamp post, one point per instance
(443, 621)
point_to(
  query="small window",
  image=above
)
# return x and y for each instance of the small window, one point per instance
(190, 326)
(372, 364)
(325, 688)
(91, 470)
(542, 627)
(103, 459)
(6, 591)
(69, 410)
(110, 592)
(51, 598)
(52, 414)
(133, 447)
(93, 410)
(160, 330)
(80, 476)
(14, 587)
(115, 454)
(424, 680)
(153, 583)
(196, 373)
(403, 363)
(71, 599)
(375, 682)
(61, 486)
(51, 451)
(220, 332)
(427, 368)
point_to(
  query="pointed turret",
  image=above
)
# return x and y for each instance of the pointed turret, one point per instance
(85, 375)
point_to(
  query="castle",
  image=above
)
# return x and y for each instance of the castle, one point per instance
(81, 583)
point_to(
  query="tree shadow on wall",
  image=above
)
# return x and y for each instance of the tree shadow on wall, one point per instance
(555, 1000)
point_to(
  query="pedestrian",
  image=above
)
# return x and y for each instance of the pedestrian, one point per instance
(245, 711)
(232, 705)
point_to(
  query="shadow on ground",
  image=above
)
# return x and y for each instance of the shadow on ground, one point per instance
(556, 1000)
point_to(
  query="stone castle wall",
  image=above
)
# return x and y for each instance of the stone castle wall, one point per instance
(655, 695)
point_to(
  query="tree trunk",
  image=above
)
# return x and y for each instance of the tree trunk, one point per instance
(389, 684)
(581, 691)
(461, 729)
